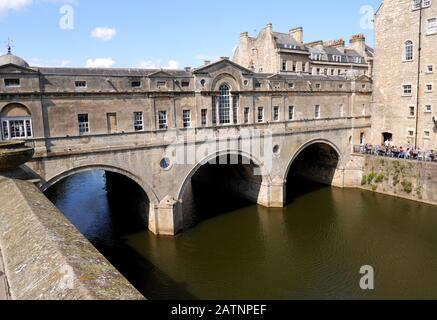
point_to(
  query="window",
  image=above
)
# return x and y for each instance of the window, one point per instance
(246, 115)
(12, 82)
(258, 85)
(336, 58)
(425, 4)
(294, 67)
(408, 89)
(235, 108)
(291, 85)
(363, 110)
(284, 65)
(161, 84)
(358, 60)
(427, 134)
(317, 112)
(204, 117)
(432, 26)
(136, 84)
(185, 84)
(363, 86)
(225, 105)
(411, 133)
(16, 128)
(291, 113)
(276, 114)
(318, 85)
(138, 121)
(162, 120)
(428, 108)
(260, 114)
(362, 138)
(341, 111)
(84, 126)
(186, 117)
(430, 69)
(80, 84)
(428, 88)
(409, 51)
(412, 111)
(340, 85)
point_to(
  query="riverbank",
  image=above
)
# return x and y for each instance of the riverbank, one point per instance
(411, 180)
(44, 255)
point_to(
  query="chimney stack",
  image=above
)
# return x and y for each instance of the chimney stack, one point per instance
(297, 34)
(358, 43)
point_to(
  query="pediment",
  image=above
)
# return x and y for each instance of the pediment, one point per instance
(222, 64)
(160, 74)
(276, 77)
(364, 78)
(11, 68)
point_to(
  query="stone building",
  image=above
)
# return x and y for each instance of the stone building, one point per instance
(405, 100)
(287, 53)
(40, 103)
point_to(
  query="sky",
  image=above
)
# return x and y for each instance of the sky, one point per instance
(164, 34)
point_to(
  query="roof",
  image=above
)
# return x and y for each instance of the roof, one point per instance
(111, 72)
(12, 59)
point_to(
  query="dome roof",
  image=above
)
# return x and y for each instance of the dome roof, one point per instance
(11, 59)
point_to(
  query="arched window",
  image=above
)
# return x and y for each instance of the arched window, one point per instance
(225, 104)
(15, 122)
(409, 50)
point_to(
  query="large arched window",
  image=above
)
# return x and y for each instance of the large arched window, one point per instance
(225, 104)
(16, 122)
(409, 50)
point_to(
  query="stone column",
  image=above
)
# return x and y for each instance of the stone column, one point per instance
(164, 220)
(272, 194)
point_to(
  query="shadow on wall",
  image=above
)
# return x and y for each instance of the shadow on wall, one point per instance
(313, 169)
(217, 188)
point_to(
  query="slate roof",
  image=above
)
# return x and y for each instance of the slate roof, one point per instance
(110, 72)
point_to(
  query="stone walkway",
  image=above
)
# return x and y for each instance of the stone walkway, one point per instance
(3, 284)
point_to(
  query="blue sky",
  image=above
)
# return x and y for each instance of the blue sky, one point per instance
(163, 33)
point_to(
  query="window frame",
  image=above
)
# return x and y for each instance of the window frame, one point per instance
(404, 92)
(138, 121)
(78, 86)
(6, 131)
(162, 121)
(12, 85)
(317, 111)
(291, 113)
(84, 126)
(260, 115)
(408, 51)
(186, 118)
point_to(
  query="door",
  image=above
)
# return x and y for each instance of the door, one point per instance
(112, 122)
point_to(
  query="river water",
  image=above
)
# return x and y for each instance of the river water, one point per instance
(312, 249)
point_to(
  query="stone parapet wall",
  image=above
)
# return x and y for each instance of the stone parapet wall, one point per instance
(45, 256)
(412, 180)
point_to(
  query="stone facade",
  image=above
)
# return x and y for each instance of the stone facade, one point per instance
(124, 120)
(286, 53)
(405, 114)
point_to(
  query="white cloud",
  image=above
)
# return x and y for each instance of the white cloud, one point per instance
(172, 65)
(149, 64)
(49, 63)
(104, 34)
(6, 5)
(100, 63)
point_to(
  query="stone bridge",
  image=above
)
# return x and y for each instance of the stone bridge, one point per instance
(163, 164)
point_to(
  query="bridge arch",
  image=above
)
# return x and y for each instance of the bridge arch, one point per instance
(310, 143)
(144, 186)
(263, 172)
(315, 163)
(227, 185)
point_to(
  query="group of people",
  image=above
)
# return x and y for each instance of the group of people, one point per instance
(390, 150)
